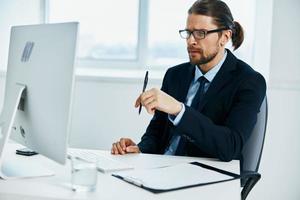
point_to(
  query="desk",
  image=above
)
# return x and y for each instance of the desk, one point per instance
(111, 188)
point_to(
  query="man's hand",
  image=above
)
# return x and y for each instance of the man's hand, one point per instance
(155, 99)
(125, 145)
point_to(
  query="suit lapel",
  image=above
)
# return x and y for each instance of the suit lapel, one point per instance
(221, 79)
(185, 83)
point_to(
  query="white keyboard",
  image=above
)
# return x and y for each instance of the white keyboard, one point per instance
(104, 164)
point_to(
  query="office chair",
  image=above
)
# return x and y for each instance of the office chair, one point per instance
(252, 151)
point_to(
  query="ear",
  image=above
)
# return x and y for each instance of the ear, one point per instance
(226, 36)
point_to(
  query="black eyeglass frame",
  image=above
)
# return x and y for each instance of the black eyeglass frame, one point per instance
(205, 32)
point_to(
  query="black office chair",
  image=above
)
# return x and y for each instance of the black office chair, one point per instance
(252, 151)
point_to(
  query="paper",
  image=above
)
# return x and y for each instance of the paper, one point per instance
(177, 176)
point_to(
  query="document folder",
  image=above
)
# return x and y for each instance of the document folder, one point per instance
(177, 177)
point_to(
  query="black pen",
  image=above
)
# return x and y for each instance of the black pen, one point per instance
(144, 88)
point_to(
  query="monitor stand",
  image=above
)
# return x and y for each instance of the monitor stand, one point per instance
(11, 166)
(14, 168)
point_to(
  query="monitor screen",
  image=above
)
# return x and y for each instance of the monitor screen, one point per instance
(41, 58)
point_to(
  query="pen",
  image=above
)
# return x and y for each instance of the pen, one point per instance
(144, 88)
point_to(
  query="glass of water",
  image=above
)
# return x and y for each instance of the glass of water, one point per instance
(84, 175)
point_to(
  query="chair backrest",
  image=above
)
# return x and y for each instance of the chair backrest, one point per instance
(252, 150)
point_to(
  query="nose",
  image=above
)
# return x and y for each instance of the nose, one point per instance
(191, 40)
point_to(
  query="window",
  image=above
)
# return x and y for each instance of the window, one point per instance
(139, 33)
(166, 17)
(108, 29)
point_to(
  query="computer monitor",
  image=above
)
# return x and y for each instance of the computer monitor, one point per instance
(38, 92)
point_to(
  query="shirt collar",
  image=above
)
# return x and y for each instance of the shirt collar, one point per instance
(212, 72)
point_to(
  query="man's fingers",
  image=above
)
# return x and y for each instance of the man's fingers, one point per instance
(129, 142)
(148, 100)
(123, 143)
(119, 148)
(114, 149)
(147, 94)
(151, 107)
(143, 96)
(132, 149)
(137, 102)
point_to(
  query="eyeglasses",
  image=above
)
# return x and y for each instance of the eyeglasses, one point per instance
(198, 34)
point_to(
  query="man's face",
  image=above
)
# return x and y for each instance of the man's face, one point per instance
(202, 51)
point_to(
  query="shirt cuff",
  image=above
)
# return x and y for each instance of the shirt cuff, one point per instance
(176, 119)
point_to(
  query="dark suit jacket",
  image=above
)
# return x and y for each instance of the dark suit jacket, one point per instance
(222, 123)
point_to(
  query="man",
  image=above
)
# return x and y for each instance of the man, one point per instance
(207, 107)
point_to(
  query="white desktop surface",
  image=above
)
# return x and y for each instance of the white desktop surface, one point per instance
(108, 187)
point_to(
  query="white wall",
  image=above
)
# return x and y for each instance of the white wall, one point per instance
(280, 165)
(104, 112)
(263, 35)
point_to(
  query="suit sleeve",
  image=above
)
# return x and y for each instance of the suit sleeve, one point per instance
(151, 140)
(225, 142)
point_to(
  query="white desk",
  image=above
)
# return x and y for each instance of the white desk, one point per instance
(108, 187)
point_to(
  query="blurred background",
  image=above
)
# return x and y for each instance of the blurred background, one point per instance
(120, 39)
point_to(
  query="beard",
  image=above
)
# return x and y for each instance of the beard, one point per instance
(204, 59)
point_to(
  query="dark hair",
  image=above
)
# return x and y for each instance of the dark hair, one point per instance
(222, 17)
